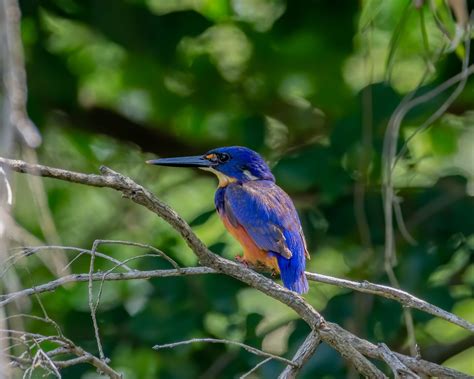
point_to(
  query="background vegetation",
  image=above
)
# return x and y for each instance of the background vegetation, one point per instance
(309, 84)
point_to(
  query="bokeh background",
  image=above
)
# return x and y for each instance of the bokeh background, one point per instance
(311, 85)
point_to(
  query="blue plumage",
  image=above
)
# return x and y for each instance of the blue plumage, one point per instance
(268, 215)
(258, 213)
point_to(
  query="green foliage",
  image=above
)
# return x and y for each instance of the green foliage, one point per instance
(309, 84)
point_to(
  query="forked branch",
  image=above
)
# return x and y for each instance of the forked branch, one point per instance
(355, 350)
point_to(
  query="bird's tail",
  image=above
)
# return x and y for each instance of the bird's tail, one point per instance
(292, 273)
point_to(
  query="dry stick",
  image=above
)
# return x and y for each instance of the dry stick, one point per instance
(158, 252)
(91, 302)
(420, 366)
(398, 368)
(250, 349)
(375, 289)
(406, 299)
(54, 284)
(41, 355)
(28, 251)
(257, 366)
(104, 275)
(93, 307)
(66, 346)
(304, 353)
(329, 332)
(141, 196)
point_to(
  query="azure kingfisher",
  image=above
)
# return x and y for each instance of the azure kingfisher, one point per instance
(258, 213)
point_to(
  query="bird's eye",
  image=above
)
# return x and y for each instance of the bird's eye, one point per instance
(223, 157)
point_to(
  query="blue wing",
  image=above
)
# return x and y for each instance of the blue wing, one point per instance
(268, 215)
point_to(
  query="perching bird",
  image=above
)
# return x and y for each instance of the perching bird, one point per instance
(258, 213)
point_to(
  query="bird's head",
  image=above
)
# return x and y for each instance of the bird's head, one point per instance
(230, 164)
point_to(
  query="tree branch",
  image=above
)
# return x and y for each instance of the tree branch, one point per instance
(348, 345)
(398, 368)
(51, 286)
(304, 353)
(250, 349)
(406, 299)
(417, 365)
(46, 359)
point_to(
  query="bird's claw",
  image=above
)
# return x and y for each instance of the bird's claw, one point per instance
(242, 260)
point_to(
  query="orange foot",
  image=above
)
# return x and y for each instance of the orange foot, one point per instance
(242, 260)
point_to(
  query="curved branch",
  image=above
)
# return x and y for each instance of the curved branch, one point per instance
(415, 364)
(406, 299)
(51, 286)
(304, 353)
(249, 348)
(347, 344)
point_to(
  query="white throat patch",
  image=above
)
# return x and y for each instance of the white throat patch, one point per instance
(224, 180)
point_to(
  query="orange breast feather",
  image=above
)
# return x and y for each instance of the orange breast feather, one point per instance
(252, 253)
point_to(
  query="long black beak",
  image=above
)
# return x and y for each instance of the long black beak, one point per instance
(196, 161)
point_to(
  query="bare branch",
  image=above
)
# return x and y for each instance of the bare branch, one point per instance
(398, 368)
(47, 359)
(417, 365)
(257, 366)
(344, 342)
(91, 302)
(249, 348)
(406, 299)
(51, 286)
(30, 250)
(304, 353)
(158, 252)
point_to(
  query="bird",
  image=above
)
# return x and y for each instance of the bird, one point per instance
(255, 211)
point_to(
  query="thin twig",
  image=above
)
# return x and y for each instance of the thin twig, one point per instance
(52, 285)
(404, 298)
(46, 359)
(304, 353)
(255, 368)
(398, 368)
(158, 252)
(332, 334)
(420, 366)
(249, 348)
(91, 301)
(93, 307)
(30, 250)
